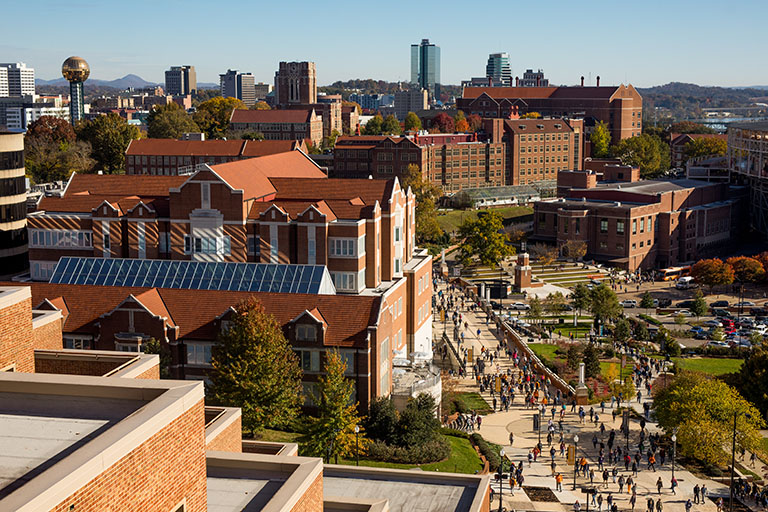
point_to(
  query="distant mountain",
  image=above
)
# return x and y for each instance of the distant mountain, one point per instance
(207, 85)
(125, 82)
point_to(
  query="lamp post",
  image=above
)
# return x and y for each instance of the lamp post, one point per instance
(575, 458)
(674, 450)
(733, 456)
(541, 413)
(501, 476)
(357, 446)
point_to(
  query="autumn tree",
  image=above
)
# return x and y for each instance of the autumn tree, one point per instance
(444, 122)
(109, 136)
(554, 303)
(373, 126)
(331, 433)
(50, 129)
(746, 269)
(574, 249)
(601, 140)
(545, 254)
(460, 122)
(483, 238)
(329, 142)
(531, 115)
(391, 126)
(712, 272)
(427, 194)
(254, 368)
(46, 160)
(702, 410)
(412, 122)
(752, 377)
(261, 105)
(475, 122)
(604, 304)
(169, 122)
(698, 148)
(647, 152)
(212, 116)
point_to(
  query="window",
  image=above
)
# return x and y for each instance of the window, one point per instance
(207, 245)
(306, 332)
(60, 238)
(603, 245)
(642, 225)
(634, 226)
(205, 195)
(273, 249)
(42, 270)
(620, 227)
(164, 241)
(342, 247)
(311, 248)
(399, 306)
(397, 265)
(309, 360)
(199, 353)
(397, 233)
(344, 281)
(78, 342)
(603, 225)
(142, 240)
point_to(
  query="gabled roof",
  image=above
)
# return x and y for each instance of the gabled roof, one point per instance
(152, 300)
(122, 184)
(294, 208)
(333, 190)
(230, 148)
(272, 116)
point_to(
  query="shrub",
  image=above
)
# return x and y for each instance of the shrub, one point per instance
(649, 319)
(431, 451)
(453, 432)
(487, 450)
(608, 352)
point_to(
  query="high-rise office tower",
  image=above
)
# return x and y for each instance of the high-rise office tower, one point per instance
(296, 83)
(20, 79)
(425, 67)
(498, 70)
(13, 221)
(181, 80)
(76, 71)
(238, 85)
(4, 93)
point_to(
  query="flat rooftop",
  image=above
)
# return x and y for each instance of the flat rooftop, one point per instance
(37, 431)
(652, 187)
(761, 126)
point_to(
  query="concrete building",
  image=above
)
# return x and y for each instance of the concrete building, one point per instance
(410, 101)
(262, 90)
(168, 157)
(425, 67)
(620, 107)
(238, 85)
(372, 101)
(16, 113)
(296, 83)
(639, 224)
(20, 79)
(13, 205)
(532, 78)
(290, 124)
(181, 80)
(498, 70)
(748, 165)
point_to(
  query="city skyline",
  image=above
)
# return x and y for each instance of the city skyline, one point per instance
(648, 58)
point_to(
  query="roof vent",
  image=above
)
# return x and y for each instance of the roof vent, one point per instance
(583, 199)
(370, 176)
(618, 203)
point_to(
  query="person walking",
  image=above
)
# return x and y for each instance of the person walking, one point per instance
(632, 501)
(652, 462)
(600, 503)
(577, 506)
(650, 504)
(621, 483)
(673, 485)
(559, 482)
(659, 485)
(659, 506)
(696, 491)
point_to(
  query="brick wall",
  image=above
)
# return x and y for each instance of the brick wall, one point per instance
(157, 475)
(312, 501)
(16, 337)
(75, 367)
(152, 373)
(48, 336)
(229, 440)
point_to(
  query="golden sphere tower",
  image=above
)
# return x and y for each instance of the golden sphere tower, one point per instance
(76, 71)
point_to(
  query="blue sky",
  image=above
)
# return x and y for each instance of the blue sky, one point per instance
(644, 43)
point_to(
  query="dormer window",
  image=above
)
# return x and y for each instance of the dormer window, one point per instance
(305, 332)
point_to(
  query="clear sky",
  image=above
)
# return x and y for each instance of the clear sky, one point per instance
(643, 42)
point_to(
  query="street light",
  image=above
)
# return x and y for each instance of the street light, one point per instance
(575, 458)
(357, 446)
(541, 412)
(501, 476)
(733, 455)
(674, 450)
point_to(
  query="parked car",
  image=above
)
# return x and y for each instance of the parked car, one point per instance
(701, 335)
(629, 303)
(745, 303)
(720, 344)
(713, 323)
(595, 282)
(759, 311)
(721, 313)
(495, 305)
(663, 303)
(519, 306)
(719, 304)
(685, 304)
(683, 312)
(695, 329)
(685, 283)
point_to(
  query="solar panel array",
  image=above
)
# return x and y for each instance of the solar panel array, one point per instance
(193, 275)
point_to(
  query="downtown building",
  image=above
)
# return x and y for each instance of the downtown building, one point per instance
(425, 67)
(181, 80)
(98, 430)
(238, 85)
(296, 89)
(13, 204)
(293, 124)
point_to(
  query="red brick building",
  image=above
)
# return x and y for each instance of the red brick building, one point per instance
(620, 107)
(678, 141)
(298, 124)
(169, 157)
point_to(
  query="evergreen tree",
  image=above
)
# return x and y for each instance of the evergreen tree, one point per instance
(622, 330)
(573, 356)
(332, 432)
(412, 122)
(381, 423)
(391, 126)
(581, 297)
(255, 369)
(418, 423)
(699, 307)
(647, 301)
(591, 361)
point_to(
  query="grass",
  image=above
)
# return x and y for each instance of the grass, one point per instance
(709, 365)
(543, 350)
(276, 436)
(474, 401)
(451, 220)
(463, 459)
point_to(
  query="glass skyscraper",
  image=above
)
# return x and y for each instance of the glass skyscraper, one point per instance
(498, 69)
(425, 67)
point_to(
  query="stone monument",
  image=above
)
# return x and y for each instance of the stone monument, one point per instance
(582, 393)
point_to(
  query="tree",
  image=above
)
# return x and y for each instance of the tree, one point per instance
(332, 432)
(698, 148)
(574, 249)
(751, 379)
(581, 297)
(444, 122)
(647, 152)
(109, 137)
(169, 122)
(381, 423)
(462, 126)
(418, 423)
(699, 307)
(483, 238)
(646, 302)
(391, 126)
(212, 116)
(689, 127)
(373, 126)
(745, 269)
(591, 361)
(604, 305)
(47, 160)
(252, 136)
(536, 308)
(475, 122)
(329, 142)
(531, 115)
(545, 254)
(412, 122)
(261, 105)
(703, 410)
(50, 129)
(718, 334)
(255, 369)
(601, 140)
(622, 331)
(554, 303)
(712, 272)
(573, 356)
(427, 227)
(155, 347)
(641, 332)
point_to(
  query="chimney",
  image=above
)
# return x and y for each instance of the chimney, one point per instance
(582, 80)
(490, 82)
(598, 80)
(517, 81)
(538, 81)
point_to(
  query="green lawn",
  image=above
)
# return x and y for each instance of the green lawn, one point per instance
(276, 436)
(712, 366)
(451, 220)
(474, 402)
(463, 459)
(543, 350)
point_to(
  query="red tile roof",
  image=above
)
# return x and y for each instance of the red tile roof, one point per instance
(335, 189)
(122, 184)
(293, 208)
(498, 93)
(271, 116)
(195, 311)
(255, 148)
(683, 138)
(231, 148)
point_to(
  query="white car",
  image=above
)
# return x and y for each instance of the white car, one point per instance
(684, 312)
(713, 323)
(519, 306)
(744, 304)
(629, 303)
(718, 344)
